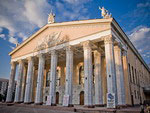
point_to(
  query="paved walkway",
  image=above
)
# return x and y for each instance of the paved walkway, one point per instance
(21, 108)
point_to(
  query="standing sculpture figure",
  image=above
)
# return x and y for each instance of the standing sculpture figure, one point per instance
(104, 13)
(51, 17)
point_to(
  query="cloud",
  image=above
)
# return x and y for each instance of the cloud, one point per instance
(22, 36)
(137, 16)
(76, 2)
(1, 29)
(34, 12)
(3, 36)
(23, 16)
(12, 47)
(140, 36)
(72, 10)
(13, 40)
(147, 4)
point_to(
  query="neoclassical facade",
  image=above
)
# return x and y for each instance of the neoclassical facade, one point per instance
(87, 62)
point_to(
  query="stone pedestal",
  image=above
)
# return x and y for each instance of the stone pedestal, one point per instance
(11, 83)
(98, 79)
(29, 81)
(111, 75)
(88, 76)
(119, 75)
(53, 72)
(39, 89)
(69, 74)
(19, 82)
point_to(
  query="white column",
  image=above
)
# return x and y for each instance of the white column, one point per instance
(88, 76)
(53, 72)
(111, 74)
(98, 79)
(39, 89)
(23, 83)
(119, 75)
(19, 82)
(11, 82)
(28, 90)
(69, 73)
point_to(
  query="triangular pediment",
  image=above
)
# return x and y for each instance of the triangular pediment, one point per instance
(58, 33)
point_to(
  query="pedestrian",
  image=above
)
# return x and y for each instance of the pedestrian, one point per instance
(142, 108)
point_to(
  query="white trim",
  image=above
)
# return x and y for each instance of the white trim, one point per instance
(74, 42)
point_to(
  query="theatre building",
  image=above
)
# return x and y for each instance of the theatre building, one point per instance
(86, 62)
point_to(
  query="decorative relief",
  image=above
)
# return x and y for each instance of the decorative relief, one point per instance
(51, 40)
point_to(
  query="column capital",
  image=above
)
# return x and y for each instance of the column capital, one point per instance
(41, 55)
(21, 61)
(124, 53)
(118, 46)
(97, 53)
(53, 52)
(109, 39)
(30, 58)
(13, 63)
(86, 45)
(69, 48)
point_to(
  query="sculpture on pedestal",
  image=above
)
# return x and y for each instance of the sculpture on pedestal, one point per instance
(51, 17)
(105, 13)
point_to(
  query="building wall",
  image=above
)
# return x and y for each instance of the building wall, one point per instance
(139, 77)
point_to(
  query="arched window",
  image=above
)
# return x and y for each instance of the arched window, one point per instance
(47, 78)
(81, 75)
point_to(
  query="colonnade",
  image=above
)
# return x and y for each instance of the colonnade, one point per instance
(114, 72)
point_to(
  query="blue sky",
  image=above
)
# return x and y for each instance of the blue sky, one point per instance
(21, 18)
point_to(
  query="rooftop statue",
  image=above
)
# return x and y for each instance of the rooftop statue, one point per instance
(105, 13)
(51, 17)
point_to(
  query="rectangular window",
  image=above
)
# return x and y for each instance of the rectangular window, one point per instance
(135, 93)
(129, 72)
(133, 75)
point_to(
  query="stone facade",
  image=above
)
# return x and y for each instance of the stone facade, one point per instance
(90, 63)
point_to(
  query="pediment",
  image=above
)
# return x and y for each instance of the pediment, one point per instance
(52, 35)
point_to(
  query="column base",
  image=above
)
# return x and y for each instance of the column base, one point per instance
(27, 102)
(53, 104)
(99, 105)
(89, 106)
(9, 101)
(16, 102)
(121, 106)
(70, 105)
(41, 103)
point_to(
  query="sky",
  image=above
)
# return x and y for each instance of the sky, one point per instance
(19, 19)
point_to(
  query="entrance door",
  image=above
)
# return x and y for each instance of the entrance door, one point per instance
(82, 98)
(132, 100)
(57, 97)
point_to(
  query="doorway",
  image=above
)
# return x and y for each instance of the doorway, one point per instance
(57, 97)
(82, 98)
